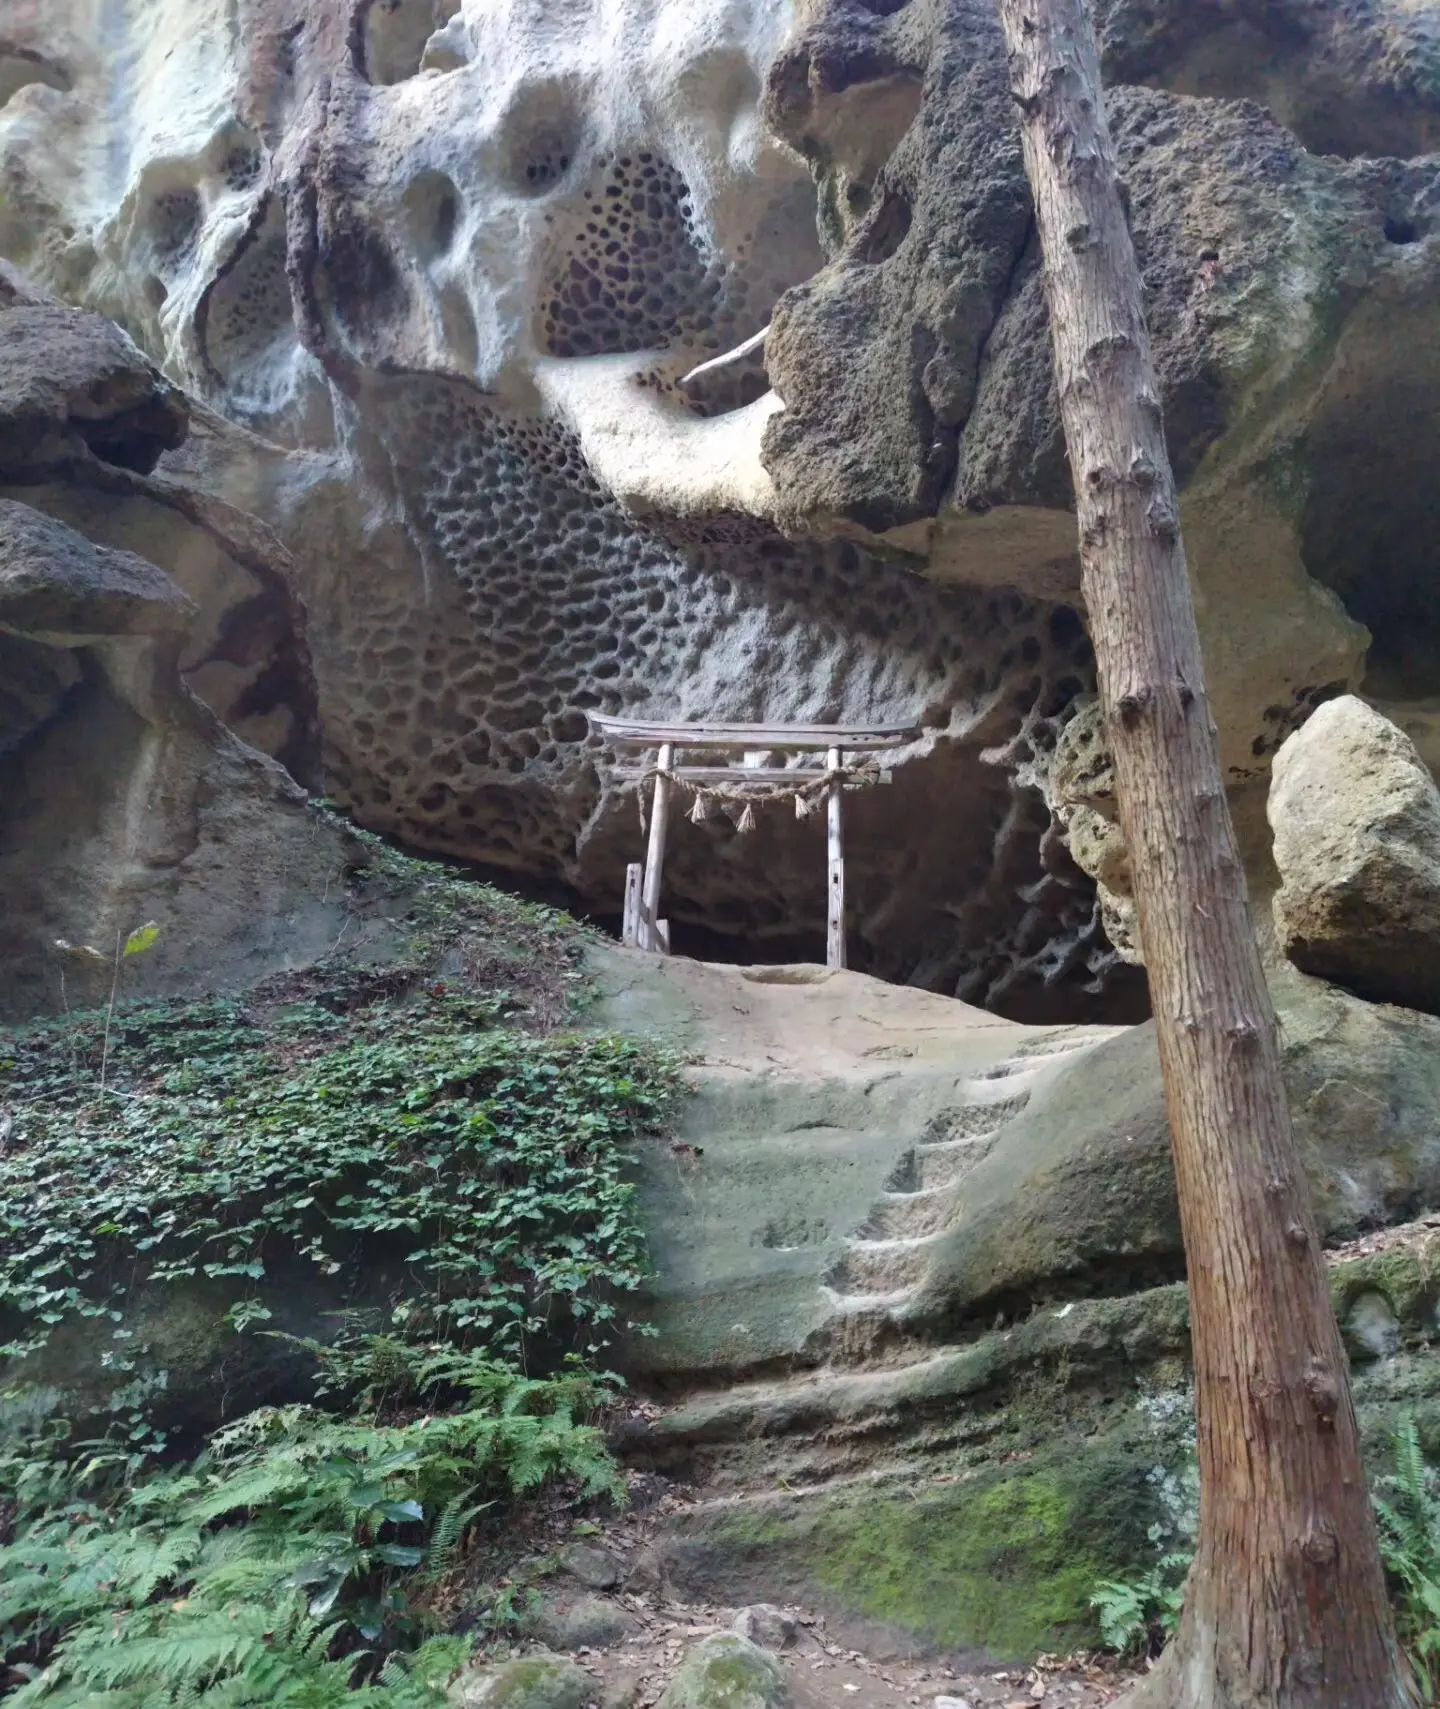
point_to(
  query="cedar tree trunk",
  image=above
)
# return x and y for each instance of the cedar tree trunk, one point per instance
(1286, 1602)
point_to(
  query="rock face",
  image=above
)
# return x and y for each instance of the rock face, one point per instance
(1081, 791)
(350, 434)
(923, 1279)
(451, 266)
(863, 1165)
(125, 799)
(1356, 817)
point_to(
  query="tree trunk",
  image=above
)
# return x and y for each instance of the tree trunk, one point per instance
(1286, 1603)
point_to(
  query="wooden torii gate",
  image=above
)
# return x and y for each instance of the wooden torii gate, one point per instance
(643, 928)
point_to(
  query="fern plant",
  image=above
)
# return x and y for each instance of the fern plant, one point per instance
(1137, 1616)
(279, 1568)
(1407, 1512)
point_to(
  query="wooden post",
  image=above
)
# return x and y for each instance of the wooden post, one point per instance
(835, 927)
(630, 928)
(655, 854)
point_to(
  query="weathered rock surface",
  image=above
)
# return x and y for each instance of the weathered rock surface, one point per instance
(125, 798)
(864, 1166)
(454, 263)
(566, 1622)
(1080, 788)
(772, 1628)
(726, 1671)
(72, 382)
(1356, 818)
(526, 1682)
(58, 587)
(436, 488)
(594, 1567)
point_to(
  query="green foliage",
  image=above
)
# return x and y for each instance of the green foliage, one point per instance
(141, 939)
(288, 1564)
(1407, 1510)
(409, 1135)
(1137, 1615)
(403, 1121)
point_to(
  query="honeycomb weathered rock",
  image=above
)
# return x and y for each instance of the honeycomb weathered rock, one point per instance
(453, 260)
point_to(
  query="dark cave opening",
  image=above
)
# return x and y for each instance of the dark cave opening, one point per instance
(1370, 529)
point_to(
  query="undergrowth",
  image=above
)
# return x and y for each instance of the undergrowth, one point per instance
(396, 1142)
(1137, 1616)
(389, 1172)
(480, 1168)
(292, 1563)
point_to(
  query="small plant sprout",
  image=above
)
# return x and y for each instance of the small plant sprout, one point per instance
(139, 940)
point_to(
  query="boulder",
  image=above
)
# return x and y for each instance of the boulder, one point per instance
(594, 1567)
(772, 1628)
(726, 1671)
(58, 587)
(583, 1622)
(73, 383)
(526, 1682)
(1356, 818)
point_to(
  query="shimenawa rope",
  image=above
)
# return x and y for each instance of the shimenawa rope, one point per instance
(808, 788)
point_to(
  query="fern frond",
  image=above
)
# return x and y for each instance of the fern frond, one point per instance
(183, 1649)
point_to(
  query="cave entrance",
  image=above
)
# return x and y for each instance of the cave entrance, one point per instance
(745, 785)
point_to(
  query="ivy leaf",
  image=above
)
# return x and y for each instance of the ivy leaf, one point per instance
(141, 939)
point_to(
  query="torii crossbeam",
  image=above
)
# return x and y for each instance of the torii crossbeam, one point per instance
(643, 928)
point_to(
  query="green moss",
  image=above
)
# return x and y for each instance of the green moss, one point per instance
(1004, 1561)
(725, 1672)
(533, 1682)
(1401, 1274)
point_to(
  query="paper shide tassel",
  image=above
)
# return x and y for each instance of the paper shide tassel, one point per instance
(747, 820)
(802, 807)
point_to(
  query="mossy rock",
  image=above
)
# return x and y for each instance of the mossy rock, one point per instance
(727, 1671)
(527, 1682)
(1003, 1561)
(1406, 1276)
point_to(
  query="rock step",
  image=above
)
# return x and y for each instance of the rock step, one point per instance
(880, 1307)
(976, 1118)
(933, 1168)
(879, 1273)
(1065, 1043)
(886, 1267)
(907, 1215)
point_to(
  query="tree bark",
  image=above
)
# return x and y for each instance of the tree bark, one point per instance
(1286, 1603)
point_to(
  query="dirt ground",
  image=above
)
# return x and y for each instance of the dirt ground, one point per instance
(824, 1675)
(607, 1567)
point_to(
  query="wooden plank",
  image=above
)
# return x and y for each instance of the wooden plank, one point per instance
(662, 933)
(814, 738)
(732, 774)
(655, 854)
(634, 879)
(835, 849)
(738, 354)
